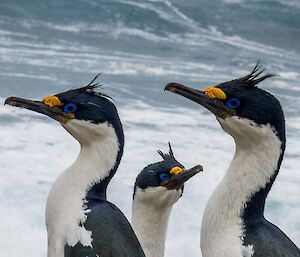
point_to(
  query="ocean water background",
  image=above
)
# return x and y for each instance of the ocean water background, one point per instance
(50, 46)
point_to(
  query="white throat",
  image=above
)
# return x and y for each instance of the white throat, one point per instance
(66, 208)
(150, 215)
(256, 158)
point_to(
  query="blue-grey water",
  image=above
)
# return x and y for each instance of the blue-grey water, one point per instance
(139, 46)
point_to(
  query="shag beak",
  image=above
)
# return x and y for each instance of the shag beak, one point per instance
(217, 107)
(38, 106)
(177, 180)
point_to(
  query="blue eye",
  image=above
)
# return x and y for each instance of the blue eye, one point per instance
(70, 107)
(164, 176)
(233, 103)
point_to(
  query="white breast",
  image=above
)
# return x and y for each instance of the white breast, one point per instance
(257, 152)
(66, 208)
(150, 215)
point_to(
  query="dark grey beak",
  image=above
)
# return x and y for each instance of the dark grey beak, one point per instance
(217, 107)
(177, 181)
(38, 106)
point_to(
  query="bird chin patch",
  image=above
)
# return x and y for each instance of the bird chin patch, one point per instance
(239, 127)
(248, 134)
(87, 132)
(158, 196)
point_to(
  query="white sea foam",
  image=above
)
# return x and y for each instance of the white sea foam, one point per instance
(289, 75)
(292, 3)
(31, 158)
(149, 6)
(81, 59)
(195, 35)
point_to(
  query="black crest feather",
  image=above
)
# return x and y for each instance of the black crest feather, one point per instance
(169, 156)
(93, 88)
(163, 155)
(255, 77)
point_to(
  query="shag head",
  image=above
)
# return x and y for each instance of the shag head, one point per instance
(85, 112)
(162, 181)
(239, 100)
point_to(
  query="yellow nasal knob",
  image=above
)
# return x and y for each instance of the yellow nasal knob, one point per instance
(176, 170)
(214, 92)
(52, 101)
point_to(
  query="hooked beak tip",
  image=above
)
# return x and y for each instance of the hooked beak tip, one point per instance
(199, 168)
(171, 87)
(10, 101)
(7, 100)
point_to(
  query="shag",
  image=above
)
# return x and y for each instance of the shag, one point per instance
(157, 188)
(80, 221)
(233, 223)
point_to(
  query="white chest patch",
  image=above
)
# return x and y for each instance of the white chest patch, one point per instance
(150, 215)
(248, 251)
(257, 152)
(66, 210)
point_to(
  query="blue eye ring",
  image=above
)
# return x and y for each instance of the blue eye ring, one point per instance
(70, 108)
(164, 176)
(233, 103)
